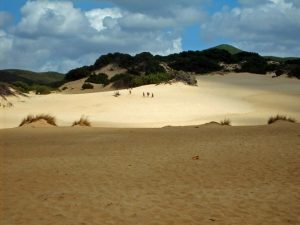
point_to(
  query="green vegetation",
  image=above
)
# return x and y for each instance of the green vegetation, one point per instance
(25, 81)
(129, 80)
(229, 48)
(5, 90)
(78, 73)
(273, 119)
(87, 86)
(154, 78)
(29, 77)
(30, 119)
(37, 88)
(144, 68)
(98, 79)
(193, 61)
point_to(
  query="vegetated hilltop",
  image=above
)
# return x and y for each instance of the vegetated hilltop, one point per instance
(25, 81)
(145, 68)
(229, 48)
(121, 70)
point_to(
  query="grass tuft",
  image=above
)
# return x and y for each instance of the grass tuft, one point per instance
(83, 121)
(30, 119)
(273, 119)
(225, 122)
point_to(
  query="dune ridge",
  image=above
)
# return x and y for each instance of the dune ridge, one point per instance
(245, 99)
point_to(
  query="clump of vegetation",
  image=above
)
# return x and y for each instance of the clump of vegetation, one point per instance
(273, 119)
(279, 72)
(64, 88)
(193, 61)
(30, 119)
(37, 88)
(98, 79)
(225, 122)
(83, 121)
(41, 89)
(295, 72)
(5, 90)
(22, 86)
(129, 80)
(87, 86)
(154, 78)
(78, 73)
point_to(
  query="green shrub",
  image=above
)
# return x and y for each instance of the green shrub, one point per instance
(295, 72)
(21, 86)
(154, 78)
(87, 86)
(41, 89)
(279, 72)
(98, 79)
(78, 73)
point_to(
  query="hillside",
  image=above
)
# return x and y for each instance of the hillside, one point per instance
(145, 68)
(29, 77)
(229, 48)
(119, 70)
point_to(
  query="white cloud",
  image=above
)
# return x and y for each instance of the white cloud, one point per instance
(97, 17)
(270, 28)
(54, 35)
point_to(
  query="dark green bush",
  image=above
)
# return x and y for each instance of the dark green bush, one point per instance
(21, 86)
(254, 65)
(154, 78)
(98, 79)
(87, 86)
(295, 71)
(78, 73)
(41, 89)
(279, 72)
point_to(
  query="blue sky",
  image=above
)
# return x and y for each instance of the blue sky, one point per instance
(59, 35)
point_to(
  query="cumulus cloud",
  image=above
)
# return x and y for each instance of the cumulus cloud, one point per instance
(55, 35)
(157, 7)
(269, 28)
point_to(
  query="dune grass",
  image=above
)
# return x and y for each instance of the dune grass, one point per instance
(31, 119)
(225, 122)
(83, 121)
(273, 119)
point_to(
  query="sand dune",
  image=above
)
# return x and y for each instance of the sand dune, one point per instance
(246, 99)
(206, 175)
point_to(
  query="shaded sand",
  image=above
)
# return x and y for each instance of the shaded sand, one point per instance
(206, 175)
(245, 99)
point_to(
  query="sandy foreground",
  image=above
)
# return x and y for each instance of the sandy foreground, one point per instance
(89, 176)
(246, 99)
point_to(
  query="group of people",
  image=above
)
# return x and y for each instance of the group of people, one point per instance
(148, 94)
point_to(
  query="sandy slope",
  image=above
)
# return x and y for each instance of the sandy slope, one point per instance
(246, 99)
(76, 176)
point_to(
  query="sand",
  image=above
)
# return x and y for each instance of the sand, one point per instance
(245, 99)
(176, 175)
